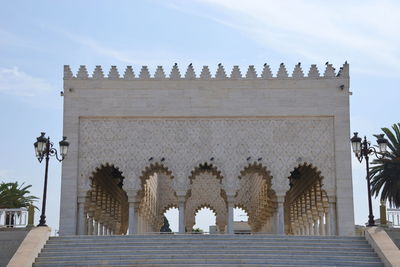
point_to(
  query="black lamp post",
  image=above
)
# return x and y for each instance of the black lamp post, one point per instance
(362, 149)
(44, 149)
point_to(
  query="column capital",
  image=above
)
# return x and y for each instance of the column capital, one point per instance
(230, 199)
(132, 195)
(181, 199)
(332, 199)
(82, 199)
(280, 198)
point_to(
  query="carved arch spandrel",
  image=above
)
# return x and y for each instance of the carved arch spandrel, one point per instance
(206, 189)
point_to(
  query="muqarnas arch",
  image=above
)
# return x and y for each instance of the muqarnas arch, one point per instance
(274, 145)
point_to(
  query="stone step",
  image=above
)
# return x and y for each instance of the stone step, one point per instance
(95, 246)
(216, 264)
(228, 262)
(198, 250)
(154, 239)
(207, 236)
(221, 256)
(168, 251)
(214, 243)
(191, 241)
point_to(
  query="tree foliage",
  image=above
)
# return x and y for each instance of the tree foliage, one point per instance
(385, 173)
(13, 196)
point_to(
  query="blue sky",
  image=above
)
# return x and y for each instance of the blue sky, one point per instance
(38, 37)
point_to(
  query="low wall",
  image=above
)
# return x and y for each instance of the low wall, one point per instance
(10, 240)
(383, 246)
(30, 247)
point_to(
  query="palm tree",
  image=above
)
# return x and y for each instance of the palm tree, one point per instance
(385, 173)
(13, 196)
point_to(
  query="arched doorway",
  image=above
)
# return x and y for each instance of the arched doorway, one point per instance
(155, 197)
(106, 206)
(206, 190)
(172, 215)
(257, 198)
(306, 203)
(240, 219)
(205, 220)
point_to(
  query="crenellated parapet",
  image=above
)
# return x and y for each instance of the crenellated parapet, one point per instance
(205, 74)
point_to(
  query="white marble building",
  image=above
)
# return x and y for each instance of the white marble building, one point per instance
(276, 146)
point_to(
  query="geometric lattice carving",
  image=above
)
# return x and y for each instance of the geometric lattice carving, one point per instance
(206, 191)
(282, 143)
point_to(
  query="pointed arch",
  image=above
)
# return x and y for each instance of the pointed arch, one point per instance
(156, 195)
(207, 206)
(306, 202)
(206, 189)
(205, 167)
(106, 202)
(256, 196)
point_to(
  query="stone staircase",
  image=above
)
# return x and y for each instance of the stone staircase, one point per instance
(200, 250)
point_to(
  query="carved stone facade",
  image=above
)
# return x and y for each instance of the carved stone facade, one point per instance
(208, 142)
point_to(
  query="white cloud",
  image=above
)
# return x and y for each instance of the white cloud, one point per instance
(366, 33)
(16, 82)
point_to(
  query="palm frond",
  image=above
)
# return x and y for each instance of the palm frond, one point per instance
(385, 173)
(393, 143)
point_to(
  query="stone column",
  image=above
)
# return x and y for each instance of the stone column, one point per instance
(81, 217)
(90, 225)
(231, 202)
(321, 225)
(132, 219)
(139, 223)
(96, 228)
(101, 229)
(316, 227)
(332, 213)
(181, 202)
(280, 221)
(327, 224)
